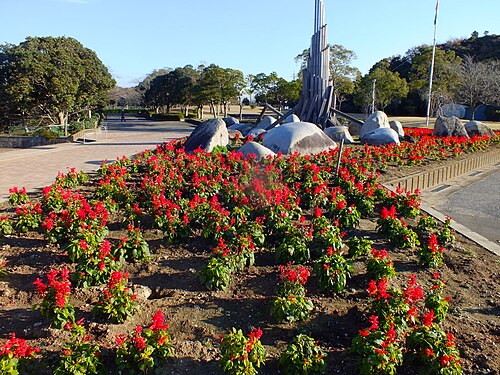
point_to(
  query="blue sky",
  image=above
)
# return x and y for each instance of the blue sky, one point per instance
(134, 37)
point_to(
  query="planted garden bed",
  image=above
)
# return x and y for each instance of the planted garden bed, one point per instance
(276, 248)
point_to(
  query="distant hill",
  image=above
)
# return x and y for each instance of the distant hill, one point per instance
(480, 48)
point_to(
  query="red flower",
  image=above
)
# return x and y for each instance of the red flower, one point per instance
(428, 319)
(374, 321)
(446, 360)
(139, 343)
(158, 319)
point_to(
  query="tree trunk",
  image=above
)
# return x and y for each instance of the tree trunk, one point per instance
(62, 121)
(241, 111)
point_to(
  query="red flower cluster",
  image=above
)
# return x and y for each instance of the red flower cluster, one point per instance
(158, 322)
(17, 348)
(294, 275)
(388, 213)
(57, 281)
(378, 289)
(253, 336)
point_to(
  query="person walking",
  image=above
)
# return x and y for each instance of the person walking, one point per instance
(123, 116)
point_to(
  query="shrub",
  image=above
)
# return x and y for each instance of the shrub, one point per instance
(80, 355)
(117, 300)
(290, 303)
(55, 294)
(333, 270)
(14, 353)
(303, 356)
(242, 355)
(148, 348)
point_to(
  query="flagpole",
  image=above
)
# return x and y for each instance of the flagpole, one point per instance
(432, 67)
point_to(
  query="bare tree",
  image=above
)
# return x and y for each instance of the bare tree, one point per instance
(479, 83)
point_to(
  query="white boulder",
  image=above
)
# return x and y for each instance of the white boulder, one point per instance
(207, 135)
(381, 136)
(302, 137)
(292, 118)
(337, 133)
(254, 148)
(397, 127)
(376, 120)
(266, 122)
(255, 132)
(231, 121)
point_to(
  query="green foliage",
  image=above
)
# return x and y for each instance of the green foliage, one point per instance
(303, 356)
(379, 265)
(216, 274)
(148, 348)
(389, 86)
(5, 226)
(445, 78)
(80, 356)
(359, 246)
(55, 304)
(18, 196)
(291, 303)
(133, 247)
(57, 74)
(333, 270)
(429, 346)
(378, 351)
(116, 302)
(14, 353)
(242, 355)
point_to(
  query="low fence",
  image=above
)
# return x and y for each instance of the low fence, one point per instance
(437, 176)
(26, 141)
(90, 135)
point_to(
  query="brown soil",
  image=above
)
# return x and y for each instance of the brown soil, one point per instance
(199, 317)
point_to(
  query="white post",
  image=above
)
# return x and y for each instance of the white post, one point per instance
(427, 118)
(374, 82)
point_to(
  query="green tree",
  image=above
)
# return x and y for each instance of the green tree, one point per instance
(445, 78)
(217, 87)
(389, 86)
(342, 74)
(52, 76)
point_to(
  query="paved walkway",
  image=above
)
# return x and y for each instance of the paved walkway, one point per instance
(37, 167)
(473, 201)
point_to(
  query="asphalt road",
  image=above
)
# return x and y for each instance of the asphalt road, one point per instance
(473, 201)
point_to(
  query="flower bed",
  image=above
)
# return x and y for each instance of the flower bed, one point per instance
(209, 234)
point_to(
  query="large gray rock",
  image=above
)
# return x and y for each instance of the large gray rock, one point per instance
(478, 128)
(266, 122)
(241, 127)
(449, 127)
(337, 133)
(231, 121)
(376, 120)
(253, 148)
(255, 132)
(302, 137)
(292, 118)
(207, 135)
(397, 127)
(381, 136)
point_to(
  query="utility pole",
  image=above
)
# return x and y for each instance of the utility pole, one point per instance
(374, 83)
(432, 67)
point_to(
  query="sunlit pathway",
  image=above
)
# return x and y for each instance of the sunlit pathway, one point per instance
(37, 167)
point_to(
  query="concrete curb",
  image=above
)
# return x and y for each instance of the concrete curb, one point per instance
(457, 227)
(437, 176)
